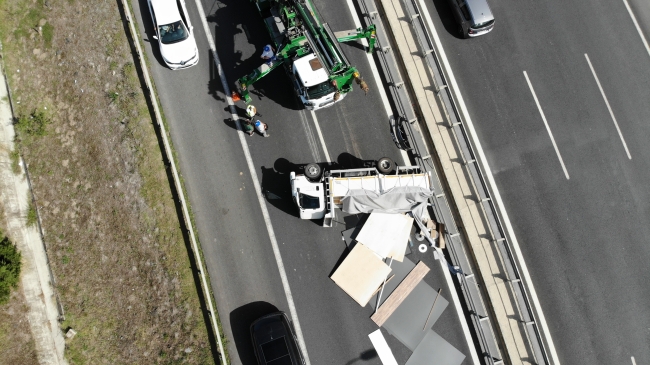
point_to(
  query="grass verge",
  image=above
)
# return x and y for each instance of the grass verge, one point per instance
(109, 217)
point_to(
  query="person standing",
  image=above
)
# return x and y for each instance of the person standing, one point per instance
(268, 54)
(251, 111)
(262, 127)
(247, 126)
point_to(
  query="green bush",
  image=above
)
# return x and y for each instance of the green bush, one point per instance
(9, 268)
(32, 216)
(34, 124)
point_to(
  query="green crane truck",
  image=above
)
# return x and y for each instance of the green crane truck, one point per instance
(309, 52)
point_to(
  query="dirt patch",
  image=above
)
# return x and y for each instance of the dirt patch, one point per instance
(15, 336)
(109, 219)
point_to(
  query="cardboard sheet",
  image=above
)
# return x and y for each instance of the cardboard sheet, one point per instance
(386, 234)
(360, 274)
(434, 350)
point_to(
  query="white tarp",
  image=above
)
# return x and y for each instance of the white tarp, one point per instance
(400, 199)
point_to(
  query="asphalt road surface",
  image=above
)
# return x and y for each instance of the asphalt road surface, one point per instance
(234, 237)
(580, 211)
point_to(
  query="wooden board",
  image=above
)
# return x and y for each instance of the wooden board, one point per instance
(400, 293)
(361, 273)
(441, 236)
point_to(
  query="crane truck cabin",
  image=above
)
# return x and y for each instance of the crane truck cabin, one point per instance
(309, 52)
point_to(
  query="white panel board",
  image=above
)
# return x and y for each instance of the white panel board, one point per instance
(360, 274)
(384, 352)
(386, 234)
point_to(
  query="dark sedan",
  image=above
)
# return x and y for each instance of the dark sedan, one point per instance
(274, 341)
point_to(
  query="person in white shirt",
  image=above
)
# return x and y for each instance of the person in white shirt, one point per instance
(261, 127)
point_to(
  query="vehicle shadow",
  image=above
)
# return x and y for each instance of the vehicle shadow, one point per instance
(447, 17)
(349, 161)
(276, 186)
(215, 87)
(235, 17)
(240, 321)
(147, 24)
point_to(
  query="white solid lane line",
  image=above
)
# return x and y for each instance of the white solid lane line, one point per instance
(608, 107)
(638, 29)
(258, 189)
(633, 361)
(320, 136)
(548, 129)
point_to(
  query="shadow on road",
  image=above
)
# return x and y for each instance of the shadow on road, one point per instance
(276, 187)
(446, 15)
(364, 356)
(147, 24)
(240, 321)
(235, 17)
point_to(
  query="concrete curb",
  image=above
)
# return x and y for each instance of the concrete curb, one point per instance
(36, 278)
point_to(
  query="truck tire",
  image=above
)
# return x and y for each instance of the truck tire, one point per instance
(313, 171)
(385, 165)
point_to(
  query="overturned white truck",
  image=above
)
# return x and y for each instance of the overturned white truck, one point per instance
(385, 188)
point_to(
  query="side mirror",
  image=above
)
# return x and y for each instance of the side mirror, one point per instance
(155, 37)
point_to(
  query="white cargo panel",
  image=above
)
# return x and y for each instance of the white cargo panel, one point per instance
(380, 184)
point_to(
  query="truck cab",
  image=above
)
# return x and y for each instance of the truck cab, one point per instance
(312, 83)
(308, 196)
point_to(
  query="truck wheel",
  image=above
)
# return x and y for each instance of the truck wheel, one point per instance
(385, 165)
(313, 171)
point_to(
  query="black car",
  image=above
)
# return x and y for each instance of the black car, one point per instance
(474, 17)
(274, 341)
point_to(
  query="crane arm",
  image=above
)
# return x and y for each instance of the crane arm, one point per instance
(350, 35)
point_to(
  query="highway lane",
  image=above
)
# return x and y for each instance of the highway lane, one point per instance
(234, 238)
(584, 238)
(224, 208)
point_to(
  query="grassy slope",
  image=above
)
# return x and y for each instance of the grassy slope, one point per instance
(110, 223)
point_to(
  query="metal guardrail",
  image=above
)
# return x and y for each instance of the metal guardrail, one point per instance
(413, 142)
(479, 316)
